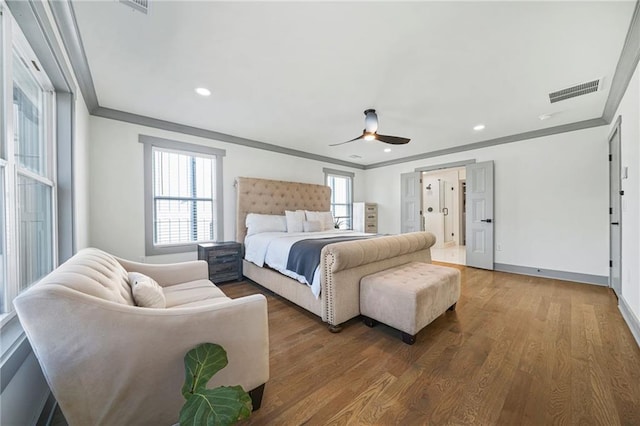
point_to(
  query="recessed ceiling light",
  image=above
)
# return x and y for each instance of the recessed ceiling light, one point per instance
(202, 91)
(387, 150)
(545, 116)
(479, 127)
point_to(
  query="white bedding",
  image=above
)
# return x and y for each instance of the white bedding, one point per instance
(272, 249)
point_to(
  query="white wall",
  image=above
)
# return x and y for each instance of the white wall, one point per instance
(551, 199)
(629, 109)
(117, 188)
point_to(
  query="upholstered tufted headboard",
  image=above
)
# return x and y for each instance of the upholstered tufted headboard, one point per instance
(274, 197)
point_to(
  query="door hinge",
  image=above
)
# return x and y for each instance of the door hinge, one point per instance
(611, 264)
(621, 192)
(610, 210)
(610, 157)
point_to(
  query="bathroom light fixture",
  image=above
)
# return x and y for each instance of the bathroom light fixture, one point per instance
(479, 127)
(203, 91)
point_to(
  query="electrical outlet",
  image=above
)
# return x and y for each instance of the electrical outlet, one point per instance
(499, 247)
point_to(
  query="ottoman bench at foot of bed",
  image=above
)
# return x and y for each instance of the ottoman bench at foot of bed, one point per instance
(409, 297)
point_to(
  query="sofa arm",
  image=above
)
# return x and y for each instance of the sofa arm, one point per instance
(169, 273)
(124, 364)
(350, 254)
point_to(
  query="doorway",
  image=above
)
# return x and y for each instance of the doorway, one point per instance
(424, 198)
(444, 213)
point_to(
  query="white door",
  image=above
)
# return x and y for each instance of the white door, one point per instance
(479, 227)
(615, 227)
(411, 202)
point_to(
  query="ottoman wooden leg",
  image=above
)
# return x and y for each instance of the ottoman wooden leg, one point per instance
(452, 307)
(408, 338)
(370, 322)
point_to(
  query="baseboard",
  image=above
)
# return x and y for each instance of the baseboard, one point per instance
(630, 318)
(46, 415)
(550, 273)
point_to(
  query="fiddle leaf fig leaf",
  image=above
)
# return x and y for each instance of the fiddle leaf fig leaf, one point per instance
(219, 406)
(200, 364)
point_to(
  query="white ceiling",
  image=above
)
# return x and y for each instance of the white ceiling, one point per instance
(300, 74)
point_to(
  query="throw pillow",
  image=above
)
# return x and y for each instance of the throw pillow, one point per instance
(294, 220)
(258, 223)
(312, 226)
(146, 291)
(325, 219)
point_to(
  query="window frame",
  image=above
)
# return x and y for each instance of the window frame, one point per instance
(14, 42)
(152, 142)
(342, 174)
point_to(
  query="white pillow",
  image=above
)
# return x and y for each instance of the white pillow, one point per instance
(312, 226)
(325, 219)
(146, 291)
(294, 220)
(258, 223)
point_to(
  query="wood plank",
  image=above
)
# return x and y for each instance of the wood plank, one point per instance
(518, 350)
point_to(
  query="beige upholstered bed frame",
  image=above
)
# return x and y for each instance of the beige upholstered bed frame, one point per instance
(342, 265)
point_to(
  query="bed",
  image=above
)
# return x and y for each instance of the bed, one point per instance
(342, 265)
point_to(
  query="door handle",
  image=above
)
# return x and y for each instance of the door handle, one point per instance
(615, 223)
(486, 220)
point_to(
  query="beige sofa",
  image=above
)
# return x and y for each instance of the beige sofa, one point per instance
(110, 362)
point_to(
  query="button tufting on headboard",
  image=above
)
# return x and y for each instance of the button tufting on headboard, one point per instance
(274, 197)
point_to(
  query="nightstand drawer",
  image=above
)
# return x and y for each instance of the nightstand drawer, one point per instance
(224, 253)
(222, 268)
(224, 260)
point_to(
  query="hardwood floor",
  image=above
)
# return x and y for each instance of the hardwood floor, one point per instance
(518, 350)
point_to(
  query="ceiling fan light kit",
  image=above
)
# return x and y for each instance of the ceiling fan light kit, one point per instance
(370, 131)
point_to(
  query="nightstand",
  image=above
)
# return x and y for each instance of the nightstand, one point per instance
(224, 259)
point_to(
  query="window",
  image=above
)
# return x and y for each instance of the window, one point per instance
(341, 184)
(28, 241)
(182, 189)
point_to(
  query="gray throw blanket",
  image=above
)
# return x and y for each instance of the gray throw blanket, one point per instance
(304, 256)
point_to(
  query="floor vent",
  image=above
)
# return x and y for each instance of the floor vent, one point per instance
(141, 5)
(572, 92)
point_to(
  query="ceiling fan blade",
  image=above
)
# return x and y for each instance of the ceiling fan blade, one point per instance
(393, 140)
(352, 140)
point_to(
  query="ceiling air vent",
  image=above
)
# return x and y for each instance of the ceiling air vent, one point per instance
(572, 92)
(141, 5)
(354, 156)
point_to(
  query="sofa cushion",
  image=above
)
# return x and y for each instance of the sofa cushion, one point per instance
(96, 273)
(192, 291)
(147, 293)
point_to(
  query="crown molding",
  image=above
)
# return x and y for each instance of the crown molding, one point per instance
(65, 20)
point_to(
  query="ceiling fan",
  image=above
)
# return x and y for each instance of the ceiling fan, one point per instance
(370, 132)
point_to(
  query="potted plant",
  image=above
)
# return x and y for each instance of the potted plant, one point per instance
(224, 405)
